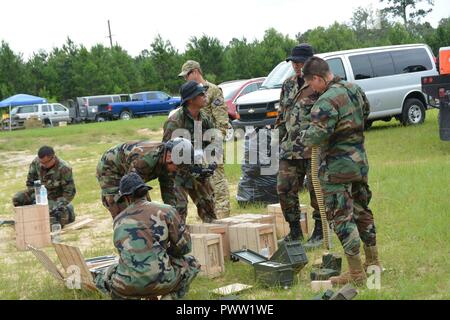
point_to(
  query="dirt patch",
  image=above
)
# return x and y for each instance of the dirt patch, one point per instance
(150, 133)
(66, 147)
(16, 158)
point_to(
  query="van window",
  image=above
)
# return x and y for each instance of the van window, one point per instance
(362, 69)
(124, 98)
(46, 108)
(277, 76)
(337, 68)
(99, 100)
(382, 64)
(411, 60)
(116, 98)
(28, 109)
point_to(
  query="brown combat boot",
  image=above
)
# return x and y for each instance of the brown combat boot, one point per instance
(355, 273)
(371, 257)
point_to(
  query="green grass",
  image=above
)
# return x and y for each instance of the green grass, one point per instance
(409, 177)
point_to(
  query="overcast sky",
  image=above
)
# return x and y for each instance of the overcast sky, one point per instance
(30, 25)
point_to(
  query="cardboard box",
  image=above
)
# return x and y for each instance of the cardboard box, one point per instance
(208, 250)
(32, 224)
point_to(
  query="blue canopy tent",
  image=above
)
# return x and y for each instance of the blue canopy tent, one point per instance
(20, 100)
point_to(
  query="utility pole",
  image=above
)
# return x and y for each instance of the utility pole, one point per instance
(110, 35)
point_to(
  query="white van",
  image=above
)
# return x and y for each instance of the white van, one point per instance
(390, 76)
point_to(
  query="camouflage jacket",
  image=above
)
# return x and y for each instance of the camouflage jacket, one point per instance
(147, 235)
(217, 108)
(58, 180)
(337, 127)
(182, 119)
(142, 157)
(289, 91)
(293, 117)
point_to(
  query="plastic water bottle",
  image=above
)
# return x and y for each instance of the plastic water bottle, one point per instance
(43, 195)
(37, 190)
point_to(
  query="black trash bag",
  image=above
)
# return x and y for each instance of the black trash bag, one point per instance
(255, 186)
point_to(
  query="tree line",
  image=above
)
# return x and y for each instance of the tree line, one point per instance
(74, 70)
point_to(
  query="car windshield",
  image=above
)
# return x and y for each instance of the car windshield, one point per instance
(14, 110)
(230, 89)
(276, 78)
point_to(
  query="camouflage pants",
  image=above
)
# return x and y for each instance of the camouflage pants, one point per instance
(202, 193)
(347, 207)
(176, 283)
(291, 175)
(221, 192)
(65, 214)
(108, 178)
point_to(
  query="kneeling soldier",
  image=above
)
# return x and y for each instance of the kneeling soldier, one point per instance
(152, 242)
(56, 175)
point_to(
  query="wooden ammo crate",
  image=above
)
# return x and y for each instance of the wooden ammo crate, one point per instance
(257, 218)
(207, 248)
(233, 220)
(254, 236)
(221, 229)
(71, 257)
(282, 226)
(32, 224)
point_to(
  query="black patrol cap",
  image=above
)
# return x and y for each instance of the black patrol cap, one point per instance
(190, 90)
(301, 53)
(130, 183)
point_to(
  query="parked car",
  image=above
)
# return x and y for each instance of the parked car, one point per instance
(49, 113)
(141, 104)
(232, 90)
(390, 76)
(86, 108)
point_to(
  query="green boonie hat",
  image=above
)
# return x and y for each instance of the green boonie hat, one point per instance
(188, 66)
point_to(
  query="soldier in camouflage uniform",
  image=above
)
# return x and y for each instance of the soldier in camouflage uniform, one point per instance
(153, 243)
(151, 160)
(186, 122)
(56, 175)
(337, 126)
(296, 101)
(218, 111)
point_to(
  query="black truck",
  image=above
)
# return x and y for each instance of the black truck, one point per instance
(437, 88)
